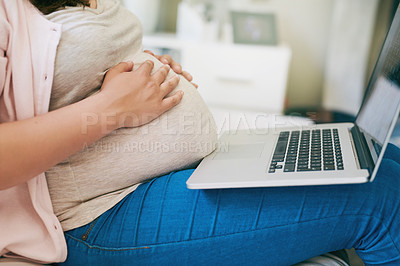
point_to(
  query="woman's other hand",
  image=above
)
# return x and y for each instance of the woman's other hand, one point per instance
(176, 67)
(137, 97)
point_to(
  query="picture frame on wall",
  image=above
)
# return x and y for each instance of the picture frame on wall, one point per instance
(254, 28)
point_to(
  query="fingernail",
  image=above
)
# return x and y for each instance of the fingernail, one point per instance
(164, 61)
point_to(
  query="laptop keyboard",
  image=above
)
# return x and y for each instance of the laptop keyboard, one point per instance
(307, 150)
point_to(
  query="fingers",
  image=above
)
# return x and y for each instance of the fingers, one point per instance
(187, 75)
(146, 67)
(171, 101)
(149, 52)
(118, 69)
(161, 74)
(167, 59)
(169, 85)
(126, 66)
(121, 67)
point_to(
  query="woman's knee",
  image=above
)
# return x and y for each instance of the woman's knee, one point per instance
(392, 152)
(389, 173)
(386, 191)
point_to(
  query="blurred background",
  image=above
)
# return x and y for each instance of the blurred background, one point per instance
(308, 58)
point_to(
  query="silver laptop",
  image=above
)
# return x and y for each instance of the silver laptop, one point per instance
(325, 154)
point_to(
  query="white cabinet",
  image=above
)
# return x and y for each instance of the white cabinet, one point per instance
(233, 79)
(238, 76)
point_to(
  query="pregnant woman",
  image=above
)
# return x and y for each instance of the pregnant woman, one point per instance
(114, 152)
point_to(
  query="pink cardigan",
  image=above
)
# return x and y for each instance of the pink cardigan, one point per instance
(28, 45)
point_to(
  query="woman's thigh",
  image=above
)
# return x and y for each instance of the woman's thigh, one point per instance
(163, 222)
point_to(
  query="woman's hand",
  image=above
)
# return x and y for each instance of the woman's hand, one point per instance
(176, 67)
(137, 97)
(127, 99)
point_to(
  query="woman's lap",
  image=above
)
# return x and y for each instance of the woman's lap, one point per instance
(163, 222)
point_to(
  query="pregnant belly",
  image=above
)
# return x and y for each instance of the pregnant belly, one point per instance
(178, 139)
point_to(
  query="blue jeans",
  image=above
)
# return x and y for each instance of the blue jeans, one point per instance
(164, 223)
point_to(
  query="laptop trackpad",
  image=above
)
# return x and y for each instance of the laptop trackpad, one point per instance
(240, 151)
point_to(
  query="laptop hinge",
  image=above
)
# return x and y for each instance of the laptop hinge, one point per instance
(364, 156)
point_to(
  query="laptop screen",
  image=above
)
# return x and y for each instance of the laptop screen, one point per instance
(380, 108)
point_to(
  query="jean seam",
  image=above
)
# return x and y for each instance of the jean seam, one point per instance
(224, 235)
(103, 248)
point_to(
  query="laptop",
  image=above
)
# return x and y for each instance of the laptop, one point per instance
(326, 154)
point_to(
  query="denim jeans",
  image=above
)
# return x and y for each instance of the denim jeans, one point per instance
(164, 223)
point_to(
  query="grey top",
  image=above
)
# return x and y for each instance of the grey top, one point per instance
(92, 181)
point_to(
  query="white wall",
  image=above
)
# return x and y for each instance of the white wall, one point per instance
(348, 53)
(305, 26)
